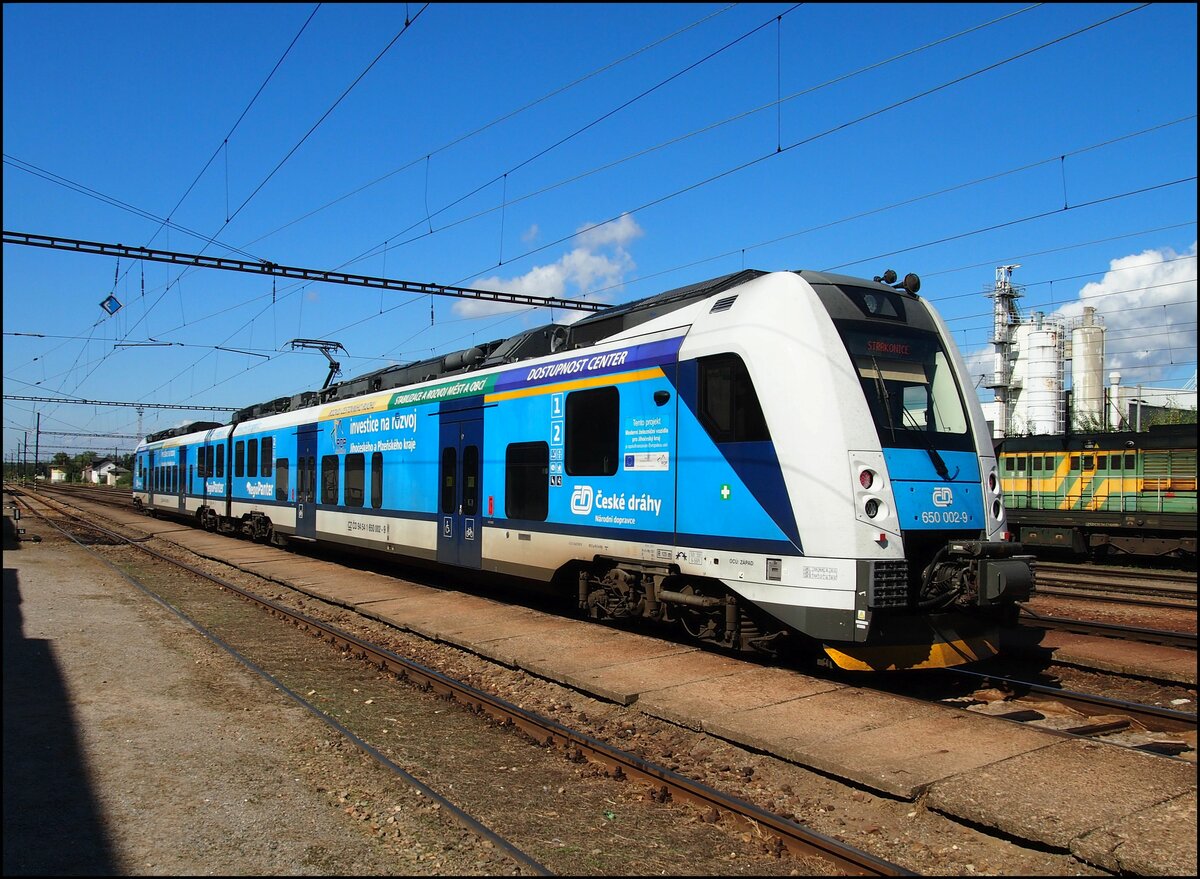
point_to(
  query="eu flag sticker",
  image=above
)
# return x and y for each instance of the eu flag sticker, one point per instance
(112, 305)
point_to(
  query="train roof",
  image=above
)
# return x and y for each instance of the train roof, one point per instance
(536, 342)
(1160, 436)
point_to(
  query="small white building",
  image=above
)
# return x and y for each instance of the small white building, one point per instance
(57, 474)
(114, 474)
(98, 472)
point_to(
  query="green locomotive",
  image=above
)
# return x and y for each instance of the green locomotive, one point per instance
(1100, 494)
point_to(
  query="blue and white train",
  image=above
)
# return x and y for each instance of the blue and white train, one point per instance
(764, 458)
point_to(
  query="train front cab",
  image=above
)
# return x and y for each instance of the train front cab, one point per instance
(936, 487)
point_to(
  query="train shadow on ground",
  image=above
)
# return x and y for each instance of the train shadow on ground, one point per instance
(53, 825)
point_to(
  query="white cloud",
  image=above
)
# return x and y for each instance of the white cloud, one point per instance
(619, 232)
(576, 272)
(530, 234)
(1147, 304)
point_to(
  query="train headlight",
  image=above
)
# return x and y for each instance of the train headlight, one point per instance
(867, 478)
(997, 509)
(992, 481)
(872, 507)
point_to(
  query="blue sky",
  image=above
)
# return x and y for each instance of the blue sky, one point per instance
(487, 141)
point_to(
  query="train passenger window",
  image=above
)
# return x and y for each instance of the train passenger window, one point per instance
(1074, 462)
(729, 408)
(239, 458)
(281, 479)
(449, 463)
(252, 458)
(376, 480)
(200, 461)
(220, 461)
(592, 432)
(268, 452)
(355, 465)
(470, 475)
(1131, 461)
(329, 479)
(526, 481)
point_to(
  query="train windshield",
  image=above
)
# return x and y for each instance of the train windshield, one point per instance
(909, 383)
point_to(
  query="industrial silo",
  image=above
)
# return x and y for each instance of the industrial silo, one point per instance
(1087, 372)
(1041, 397)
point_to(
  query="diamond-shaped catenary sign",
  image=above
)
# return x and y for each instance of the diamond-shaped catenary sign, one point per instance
(112, 305)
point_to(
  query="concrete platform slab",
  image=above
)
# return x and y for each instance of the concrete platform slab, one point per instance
(162, 526)
(427, 615)
(1061, 792)
(318, 578)
(1123, 657)
(489, 630)
(558, 654)
(697, 703)
(904, 758)
(1146, 842)
(362, 595)
(795, 728)
(254, 554)
(624, 683)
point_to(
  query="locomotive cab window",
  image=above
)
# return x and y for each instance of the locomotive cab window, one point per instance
(729, 407)
(592, 432)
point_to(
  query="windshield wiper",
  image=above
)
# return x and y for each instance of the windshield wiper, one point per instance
(938, 463)
(883, 396)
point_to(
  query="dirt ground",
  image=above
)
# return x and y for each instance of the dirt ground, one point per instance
(179, 761)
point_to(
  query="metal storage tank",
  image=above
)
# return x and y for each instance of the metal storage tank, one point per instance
(1040, 404)
(1087, 372)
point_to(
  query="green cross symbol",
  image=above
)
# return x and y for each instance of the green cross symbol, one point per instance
(725, 492)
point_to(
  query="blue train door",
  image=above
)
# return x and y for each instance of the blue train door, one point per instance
(183, 478)
(306, 481)
(460, 488)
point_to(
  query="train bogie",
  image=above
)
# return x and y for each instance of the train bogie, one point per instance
(762, 459)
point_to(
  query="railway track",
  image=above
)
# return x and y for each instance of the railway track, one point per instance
(1166, 637)
(667, 786)
(1144, 727)
(1141, 586)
